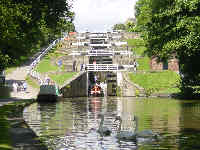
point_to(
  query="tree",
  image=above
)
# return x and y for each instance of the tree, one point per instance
(119, 26)
(27, 25)
(174, 28)
(130, 25)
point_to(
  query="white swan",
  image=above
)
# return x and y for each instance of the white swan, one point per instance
(133, 135)
(144, 133)
(102, 130)
(124, 134)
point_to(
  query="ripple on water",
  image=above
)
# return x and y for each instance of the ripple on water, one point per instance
(72, 123)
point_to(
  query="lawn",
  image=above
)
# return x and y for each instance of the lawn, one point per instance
(144, 63)
(137, 45)
(60, 79)
(159, 82)
(163, 82)
(46, 65)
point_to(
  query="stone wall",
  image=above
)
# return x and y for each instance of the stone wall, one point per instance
(76, 88)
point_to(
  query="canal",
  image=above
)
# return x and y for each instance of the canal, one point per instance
(71, 124)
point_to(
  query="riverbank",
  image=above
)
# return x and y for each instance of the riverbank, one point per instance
(15, 133)
(163, 83)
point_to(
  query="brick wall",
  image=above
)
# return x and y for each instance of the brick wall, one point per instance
(172, 64)
(155, 65)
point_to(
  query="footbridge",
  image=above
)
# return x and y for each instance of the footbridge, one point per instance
(107, 67)
(101, 52)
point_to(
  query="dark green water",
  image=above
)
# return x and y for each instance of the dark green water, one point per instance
(67, 125)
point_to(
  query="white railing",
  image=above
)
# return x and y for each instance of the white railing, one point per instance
(102, 45)
(31, 67)
(108, 67)
(101, 67)
(101, 53)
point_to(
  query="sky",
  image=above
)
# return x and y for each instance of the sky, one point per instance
(101, 15)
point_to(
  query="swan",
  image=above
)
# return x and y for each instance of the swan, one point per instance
(124, 134)
(133, 135)
(144, 133)
(103, 130)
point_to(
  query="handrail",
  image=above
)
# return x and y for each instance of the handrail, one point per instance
(101, 52)
(107, 67)
(101, 67)
(31, 71)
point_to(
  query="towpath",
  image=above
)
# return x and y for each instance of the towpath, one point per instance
(19, 75)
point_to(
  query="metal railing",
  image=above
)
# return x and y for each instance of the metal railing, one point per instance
(101, 67)
(43, 52)
(101, 53)
(108, 67)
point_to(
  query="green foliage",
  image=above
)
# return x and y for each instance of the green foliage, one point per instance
(119, 26)
(143, 13)
(173, 27)
(26, 26)
(156, 81)
(130, 26)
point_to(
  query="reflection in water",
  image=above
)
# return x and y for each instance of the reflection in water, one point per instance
(73, 123)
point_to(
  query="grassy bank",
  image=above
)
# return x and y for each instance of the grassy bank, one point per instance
(159, 82)
(143, 63)
(152, 81)
(48, 63)
(61, 78)
(49, 66)
(7, 113)
(33, 83)
(137, 46)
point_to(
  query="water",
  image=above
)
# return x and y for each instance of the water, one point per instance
(71, 124)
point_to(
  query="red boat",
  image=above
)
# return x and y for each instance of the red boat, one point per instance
(96, 91)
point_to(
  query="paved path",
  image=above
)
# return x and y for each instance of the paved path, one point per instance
(18, 76)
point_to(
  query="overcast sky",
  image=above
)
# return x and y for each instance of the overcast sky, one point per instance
(101, 15)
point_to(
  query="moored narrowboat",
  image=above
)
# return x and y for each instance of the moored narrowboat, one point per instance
(48, 93)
